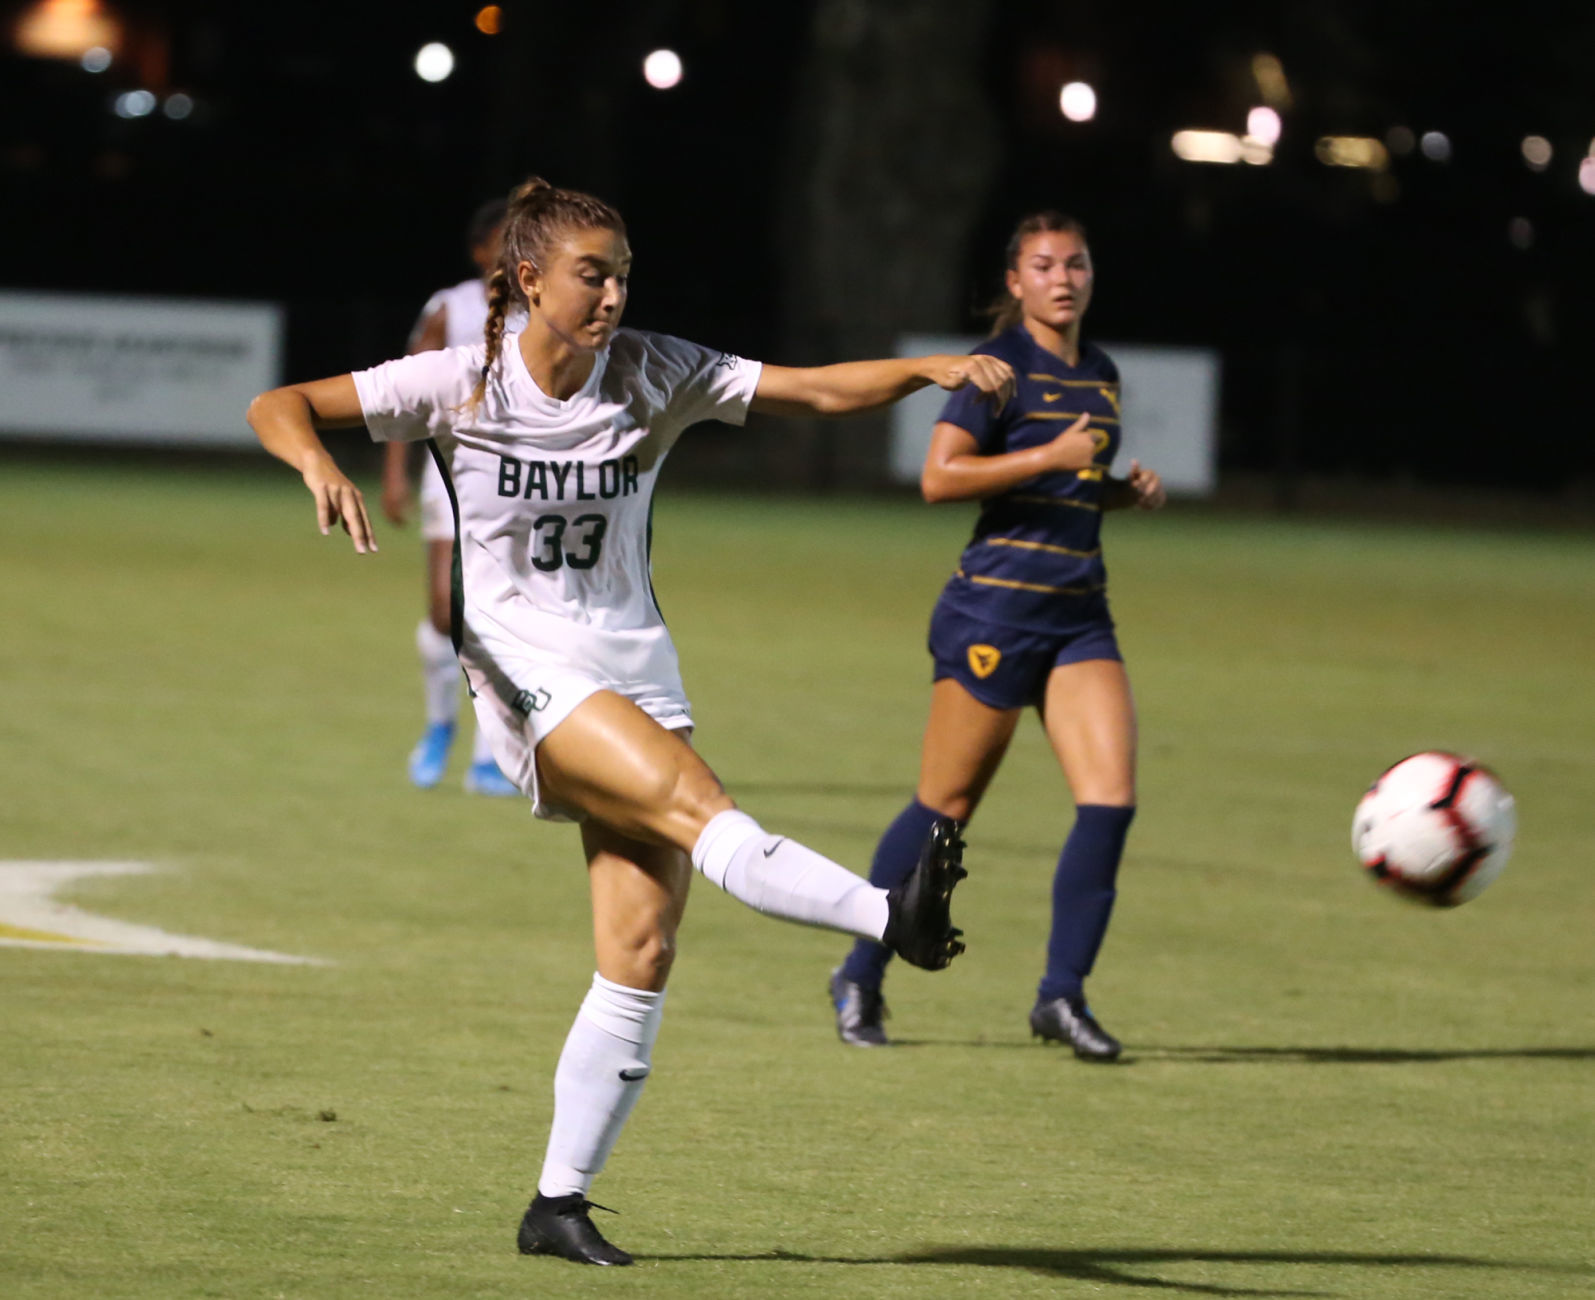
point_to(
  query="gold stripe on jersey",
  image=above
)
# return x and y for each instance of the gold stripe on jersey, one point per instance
(1089, 590)
(1043, 546)
(1069, 415)
(1056, 501)
(1076, 383)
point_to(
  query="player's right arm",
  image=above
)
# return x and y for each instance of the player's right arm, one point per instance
(955, 470)
(286, 419)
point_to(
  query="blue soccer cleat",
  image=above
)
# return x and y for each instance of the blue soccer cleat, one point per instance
(431, 755)
(485, 778)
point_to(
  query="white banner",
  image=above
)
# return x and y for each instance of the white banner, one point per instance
(1170, 400)
(145, 370)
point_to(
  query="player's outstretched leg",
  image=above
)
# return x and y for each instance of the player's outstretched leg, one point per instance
(780, 877)
(560, 1225)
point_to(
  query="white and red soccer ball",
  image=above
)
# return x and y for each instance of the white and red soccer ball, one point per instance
(1436, 828)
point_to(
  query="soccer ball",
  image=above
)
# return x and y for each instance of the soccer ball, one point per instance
(1436, 828)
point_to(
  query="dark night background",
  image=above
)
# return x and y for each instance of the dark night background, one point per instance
(1371, 324)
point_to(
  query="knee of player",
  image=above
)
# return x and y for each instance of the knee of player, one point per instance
(649, 955)
(698, 798)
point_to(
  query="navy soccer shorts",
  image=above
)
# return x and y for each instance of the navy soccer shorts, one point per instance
(1006, 667)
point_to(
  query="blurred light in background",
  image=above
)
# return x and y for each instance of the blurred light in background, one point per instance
(434, 61)
(662, 69)
(177, 106)
(1219, 147)
(1586, 175)
(1077, 101)
(490, 20)
(96, 59)
(1400, 140)
(1271, 83)
(1352, 151)
(1436, 146)
(1520, 233)
(1264, 126)
(66, 29)
(1536, 152)
(134, 103)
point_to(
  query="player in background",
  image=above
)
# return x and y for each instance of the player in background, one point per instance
(452, 317)
(1024, 622)
(553, 439)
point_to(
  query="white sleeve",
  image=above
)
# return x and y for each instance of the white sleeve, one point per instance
(415, 397)
(705, 384)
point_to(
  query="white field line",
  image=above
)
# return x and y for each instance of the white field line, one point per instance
(34, 920)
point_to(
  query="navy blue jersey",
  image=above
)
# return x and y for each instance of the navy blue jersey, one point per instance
(1035, 560)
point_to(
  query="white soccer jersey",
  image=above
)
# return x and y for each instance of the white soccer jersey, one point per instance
(554, 497)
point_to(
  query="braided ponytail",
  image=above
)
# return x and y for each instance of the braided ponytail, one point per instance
(498, 300)
(537, 215)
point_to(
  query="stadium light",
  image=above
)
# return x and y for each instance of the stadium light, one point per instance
(1207, 146)
(1586, 175)
(178, 106)
(1436, 146)
(1352, 151)
(66, 29)
(662, 69)
(490, 20)
(1077, 101)
(134, 103)
(1520, 233)
(95, 59)
(1400, 140)
(1537, 152)
(1264, 126)
(434, 62)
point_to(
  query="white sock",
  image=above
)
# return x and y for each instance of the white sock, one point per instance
(440, 673)
(606, 1061)
(481, 751)
(779, 877)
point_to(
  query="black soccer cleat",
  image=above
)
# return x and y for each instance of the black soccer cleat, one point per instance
(919, 926)
(559, 1225)
(1069, 1020)
(859, 1012)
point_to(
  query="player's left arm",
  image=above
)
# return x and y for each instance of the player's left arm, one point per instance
(1142, 488)
(853, 386)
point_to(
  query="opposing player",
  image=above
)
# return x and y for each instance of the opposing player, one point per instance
(452, 317)
(553, 439)
(1024, 622)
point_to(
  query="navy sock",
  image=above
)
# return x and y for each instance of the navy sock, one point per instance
(1082, 897)
(895, 858)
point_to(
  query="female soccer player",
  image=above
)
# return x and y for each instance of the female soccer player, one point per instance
(552, 440)
(451, 317)
(1024, 621)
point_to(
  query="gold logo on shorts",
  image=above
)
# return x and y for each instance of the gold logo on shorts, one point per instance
(983, 659)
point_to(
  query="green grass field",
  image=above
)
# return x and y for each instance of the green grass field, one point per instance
(1328, 1092)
